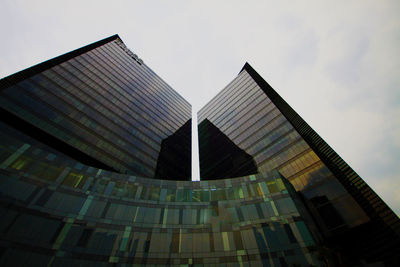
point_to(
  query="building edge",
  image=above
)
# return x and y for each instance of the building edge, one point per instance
(40, 67)
(376, 209)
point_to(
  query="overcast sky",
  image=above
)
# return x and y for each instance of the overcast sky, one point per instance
(336, 63)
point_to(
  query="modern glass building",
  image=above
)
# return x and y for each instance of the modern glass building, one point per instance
(249, 129)
(104, 107)
(95, 166)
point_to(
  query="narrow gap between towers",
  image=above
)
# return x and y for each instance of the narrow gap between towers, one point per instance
(195, 149)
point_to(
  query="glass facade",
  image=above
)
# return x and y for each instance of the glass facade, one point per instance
(259, 123)
(105, 104)
(72, 214)
(248, 117)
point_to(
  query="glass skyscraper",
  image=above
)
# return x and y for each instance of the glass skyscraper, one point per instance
(248, 128)
(95, 166)
(102, 105)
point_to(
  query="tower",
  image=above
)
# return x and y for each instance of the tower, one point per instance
(102, 106)
(356, 224)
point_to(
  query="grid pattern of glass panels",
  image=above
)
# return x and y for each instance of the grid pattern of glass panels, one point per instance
(62, 215)
(105, 104)
(245, 114)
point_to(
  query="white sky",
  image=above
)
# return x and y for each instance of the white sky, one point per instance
(336, 63)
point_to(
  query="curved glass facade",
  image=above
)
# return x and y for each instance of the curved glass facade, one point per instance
(76, 214)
